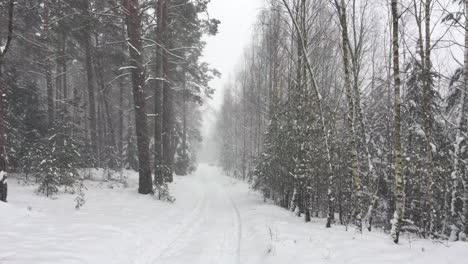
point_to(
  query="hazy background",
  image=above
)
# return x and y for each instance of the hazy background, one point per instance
(223, 52)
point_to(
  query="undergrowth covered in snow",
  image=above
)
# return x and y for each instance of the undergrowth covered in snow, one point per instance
(215, 219)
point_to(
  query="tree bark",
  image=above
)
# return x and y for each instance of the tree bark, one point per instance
(160, 84)
(48, 68)
(463, 119)
(3, 154)
(356, 181)
(63, 73)
(106, 116)
(90, 80)
(399, 192)
(121, 124)
(184, 119)
(167, 130)
(429, 119)
(133, 22)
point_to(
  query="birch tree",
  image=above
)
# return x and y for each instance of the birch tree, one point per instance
(354, 170)
(318, 98)
(462, 121)
(399, 181)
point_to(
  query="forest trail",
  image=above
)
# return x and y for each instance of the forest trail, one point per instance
(210, 233)
(215, 220)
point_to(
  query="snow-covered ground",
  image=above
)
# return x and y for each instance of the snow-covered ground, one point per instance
(214, 220)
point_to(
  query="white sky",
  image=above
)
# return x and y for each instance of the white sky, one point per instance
(224, 50)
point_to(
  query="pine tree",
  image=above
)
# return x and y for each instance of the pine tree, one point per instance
(133, 22)
(3, 51)
(60, 158)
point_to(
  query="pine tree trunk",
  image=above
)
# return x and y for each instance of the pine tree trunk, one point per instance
(90, 80)
(64, 74)
(133, 22)
(3, 154)
(122, 95)
(58, 78)
(110, 135)
(106, 114)
(3, 157)
(61, 72)
(167, 125)
(161, 72)
(184, 121)
(121, 123)
(48, 69)
(399, 191)
(100, 126)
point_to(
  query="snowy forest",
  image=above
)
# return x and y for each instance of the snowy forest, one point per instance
(356, 109)
(233, 131)
(102, 84)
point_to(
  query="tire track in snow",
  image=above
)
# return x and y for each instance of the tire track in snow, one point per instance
(238, 224)
(181, 232)
(156, 250)
(206, 224)
(185, 235)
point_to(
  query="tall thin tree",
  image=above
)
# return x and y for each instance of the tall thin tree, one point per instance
(160, 84)
(3, 52)
(323, 126)
(399, 191)
(463, 119)
(135, 45)
(90, 74)
(355, 179)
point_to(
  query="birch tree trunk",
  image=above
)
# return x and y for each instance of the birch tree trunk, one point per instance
(356, 56)
(356, 181)
(463, 119)
(325, 132)
(429, 119)
(399, 192)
